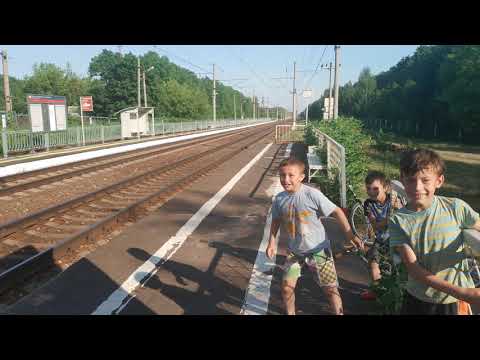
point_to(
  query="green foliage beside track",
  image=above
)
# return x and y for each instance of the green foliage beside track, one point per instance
(175, 92)
(432, 94)
(350, 133)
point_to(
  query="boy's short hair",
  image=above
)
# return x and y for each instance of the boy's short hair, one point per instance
(376, 175)
(413, 161)
(293, 162)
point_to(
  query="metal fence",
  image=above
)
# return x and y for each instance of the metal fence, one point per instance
(335, 162)
(289, 133)
(26, 140)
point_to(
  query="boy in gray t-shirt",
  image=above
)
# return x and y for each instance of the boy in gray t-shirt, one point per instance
(298, 208)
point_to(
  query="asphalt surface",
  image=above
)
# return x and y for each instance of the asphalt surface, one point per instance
(210, 272)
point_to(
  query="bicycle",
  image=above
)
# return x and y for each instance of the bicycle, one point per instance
(361, 226)
(363, 229)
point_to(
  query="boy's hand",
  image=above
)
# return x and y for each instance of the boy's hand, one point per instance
(270, 250)
(472, 296)
(358, 243)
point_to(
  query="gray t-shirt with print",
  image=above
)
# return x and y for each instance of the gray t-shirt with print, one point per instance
(299, 213)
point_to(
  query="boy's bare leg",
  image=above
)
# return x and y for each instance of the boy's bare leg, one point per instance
(375, 271)
(288, 295)
(333, 296)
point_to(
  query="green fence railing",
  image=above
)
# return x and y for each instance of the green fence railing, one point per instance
(26, 140)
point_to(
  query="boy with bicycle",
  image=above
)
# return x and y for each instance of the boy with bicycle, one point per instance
(298, 208)
(382, 200)
(427, 234)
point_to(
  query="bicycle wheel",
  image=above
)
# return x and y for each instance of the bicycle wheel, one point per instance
(360, 225)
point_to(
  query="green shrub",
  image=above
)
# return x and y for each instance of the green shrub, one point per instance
(348, 132)
(390, 290)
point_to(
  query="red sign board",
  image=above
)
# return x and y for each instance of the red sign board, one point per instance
(86, 102)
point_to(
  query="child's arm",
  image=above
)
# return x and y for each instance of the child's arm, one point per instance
(342, 220)
(422, 275)
(271, 248)
(477, 225)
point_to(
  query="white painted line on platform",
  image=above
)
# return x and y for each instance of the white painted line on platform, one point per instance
(113, 304)
(258, 291)
(257, 295)
(67, 159)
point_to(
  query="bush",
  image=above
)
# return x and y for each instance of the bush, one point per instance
(348, 132)
(390, 290)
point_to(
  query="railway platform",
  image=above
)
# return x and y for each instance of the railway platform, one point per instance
(197, 254)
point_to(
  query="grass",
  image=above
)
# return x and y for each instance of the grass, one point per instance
(462, 163)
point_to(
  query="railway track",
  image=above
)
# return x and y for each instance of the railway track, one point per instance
(34, 179)
(37, 241)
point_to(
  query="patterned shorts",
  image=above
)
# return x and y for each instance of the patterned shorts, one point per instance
(320, 265)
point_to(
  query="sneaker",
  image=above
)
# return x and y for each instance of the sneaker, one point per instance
(368, 295)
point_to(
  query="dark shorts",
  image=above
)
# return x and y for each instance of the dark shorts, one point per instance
(413, 306)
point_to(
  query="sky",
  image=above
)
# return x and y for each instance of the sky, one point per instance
(259, 65)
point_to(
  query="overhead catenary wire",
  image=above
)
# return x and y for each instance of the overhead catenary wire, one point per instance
(318, 64)
(182, 59)
(251, 69)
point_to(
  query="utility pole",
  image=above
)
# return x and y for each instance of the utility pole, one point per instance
(263, 106)
(144, 89)
(306, 117)
(234, 109)
(241, 110)
(294, 95)
(277, 112)
(138, 82)
(337, 79)
(6, 83)
(214, 97)
(329, 117)
(253, 105)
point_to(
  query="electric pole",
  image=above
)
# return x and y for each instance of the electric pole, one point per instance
(234, 109)
(277, 112)
(138, 82)
(144, 90)
(337, 79)
(306, 117)
(294, 95)
(214, 97)
(6, 83)
(329, 117)
(253, 105)
(263, 105)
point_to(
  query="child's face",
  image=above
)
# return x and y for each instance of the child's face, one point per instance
(376, 190)
(291, 177)
(421, 187)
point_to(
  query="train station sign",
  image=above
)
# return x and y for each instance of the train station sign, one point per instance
(86, 103)
(47, 112)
